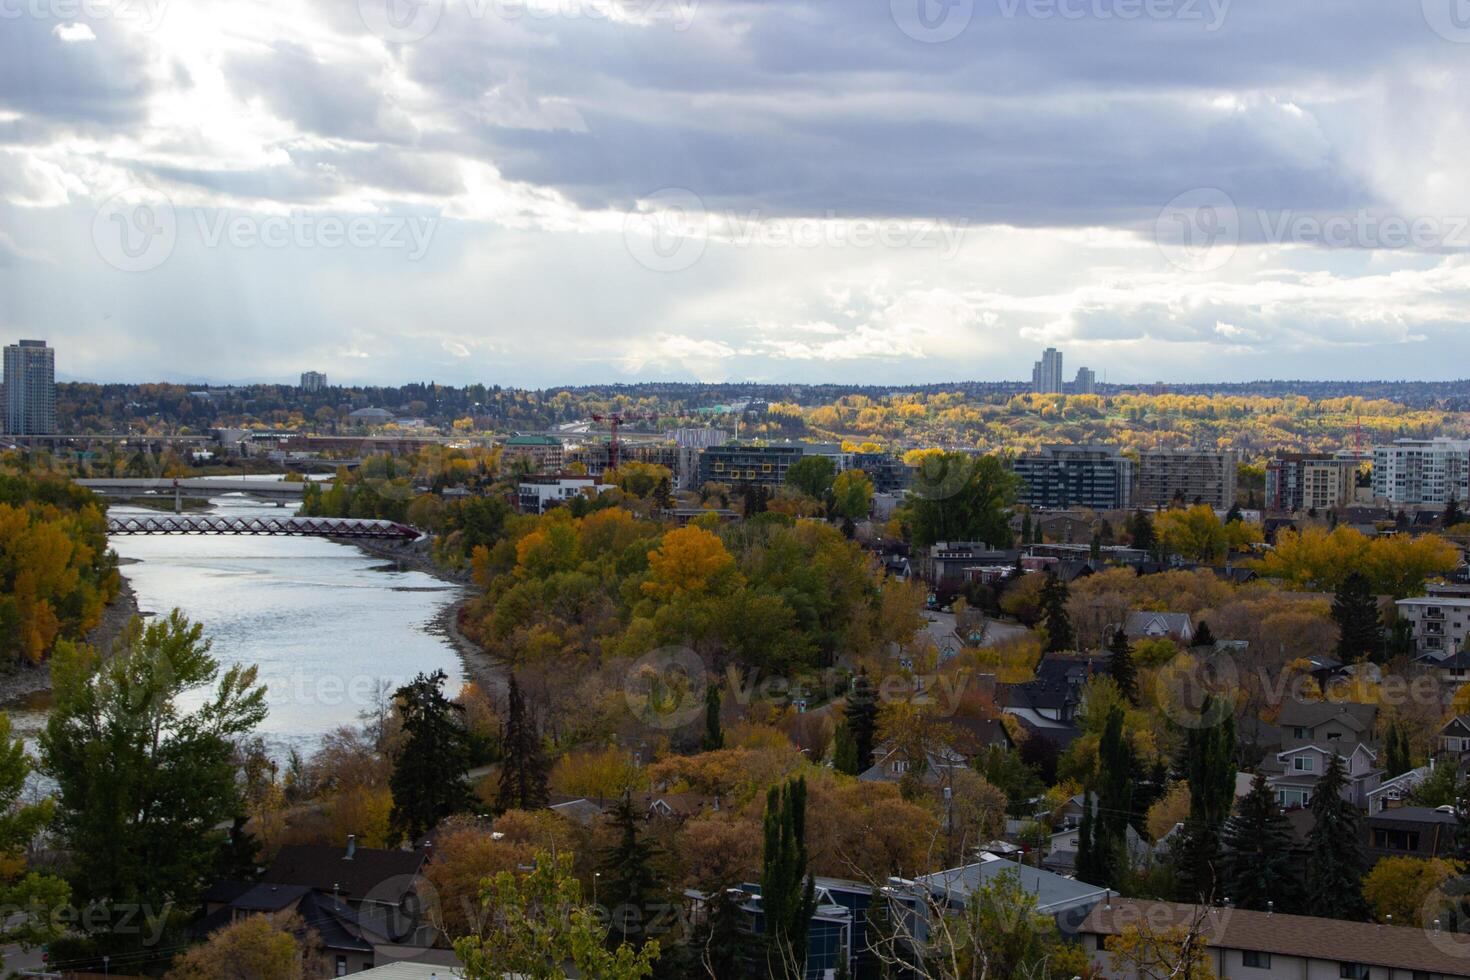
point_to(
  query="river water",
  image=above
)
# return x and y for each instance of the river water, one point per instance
(325, 623)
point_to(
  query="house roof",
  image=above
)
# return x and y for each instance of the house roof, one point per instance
(1310, 714)
(1140, 623)
(382, 874)
(1335, 940)
(1457, 723)
(1052, 891)
(1413, 814)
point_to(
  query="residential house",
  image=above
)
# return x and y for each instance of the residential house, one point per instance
(1454, 736)
(837, 939)
(347, 945)
(1159, 625)
(1245, 944)
(1065, 899)
(1293, 773)
(1393, 792)
(1047, 704)
(891, 763)
(1410, 831)
(1321, 722)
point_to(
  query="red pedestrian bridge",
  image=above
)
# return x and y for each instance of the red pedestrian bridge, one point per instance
(308, 527)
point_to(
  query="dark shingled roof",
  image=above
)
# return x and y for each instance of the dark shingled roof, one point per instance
(383, 874)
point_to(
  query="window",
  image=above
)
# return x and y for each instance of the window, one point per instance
(1352, 971)
(1101, 942)
(341, 966)
(1302, 763)
(1255, 960)
(1300, 732)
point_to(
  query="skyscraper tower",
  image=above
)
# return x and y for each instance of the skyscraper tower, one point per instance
(30, 389)
(1046, 374)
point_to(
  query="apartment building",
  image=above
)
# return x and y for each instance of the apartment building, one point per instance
(546, 455)
(1095, 476)
(1422, 471)
(1046, 374)
(30, 389)
(1439, 623)
(1242, 943)
(1167, 476)
(1308, 481)
(313, 381)
(738, 463)
(1086, 383)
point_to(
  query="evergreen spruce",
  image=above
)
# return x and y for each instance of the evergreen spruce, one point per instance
(428, 780)
(844, 750)
(523, 769)
(862, 718)
(631, 889)
(714, 735)
(1141, 529)
(1355, 610)
(1452, 514)
(1397, 744)
(1054, 618)
(1203, 637)
(1209, 766)
(1258, 863)
(1335, 861)
(1121, 665)
(1116, 765)
(1094, 552)
(788, 892)
(1087, 867)
(1234, 514)
(1026, 528)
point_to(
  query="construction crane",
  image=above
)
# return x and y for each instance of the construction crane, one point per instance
(614, 420)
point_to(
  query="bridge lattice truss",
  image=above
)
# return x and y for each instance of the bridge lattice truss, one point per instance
(314, 527)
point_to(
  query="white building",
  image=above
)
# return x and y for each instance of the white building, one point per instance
(1422, 471)
(1439, 623)
(313, 381)
(1046, 374)
(536, 495)
(30, 389)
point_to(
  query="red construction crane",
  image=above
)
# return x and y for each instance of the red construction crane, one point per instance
(615, 419)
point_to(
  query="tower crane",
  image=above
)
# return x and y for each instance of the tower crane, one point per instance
(614, 420)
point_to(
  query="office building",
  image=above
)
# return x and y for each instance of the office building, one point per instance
(313, 381)
(887, 471)
(543, 453)
(738, 463)
(1310, 481)
(1086, 383)
(1046, 374)
(1095, 476)
(30, 389)
(1422, 471)
(1188, 476)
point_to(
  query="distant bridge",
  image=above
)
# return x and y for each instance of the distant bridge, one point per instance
(263, 489)
(304, 527)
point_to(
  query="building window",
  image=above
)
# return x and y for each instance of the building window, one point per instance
(1352, 971)
(341, 966)
(1102, 942)
(1256, 960)
(1302, 763)
(1299, 732)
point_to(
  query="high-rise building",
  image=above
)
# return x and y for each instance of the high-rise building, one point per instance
(1167, 476)
(313, 381)
(30, 389)
(1086, 383)
(1310, 481)
(1046, 374)
(1422, 471)
(1075, 476)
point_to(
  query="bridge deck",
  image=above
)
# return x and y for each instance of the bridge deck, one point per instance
(316, 527)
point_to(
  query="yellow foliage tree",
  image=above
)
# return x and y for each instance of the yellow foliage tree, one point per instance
(686, 562)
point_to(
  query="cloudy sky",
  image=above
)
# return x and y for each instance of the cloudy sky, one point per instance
(539, 192)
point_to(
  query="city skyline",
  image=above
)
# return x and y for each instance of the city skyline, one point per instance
(724, 191)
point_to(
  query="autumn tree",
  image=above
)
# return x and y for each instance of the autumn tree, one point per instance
(812, 475)
(956, 497)
(852, 495)
(429, 768)
(540, 924)
(141, 780)
(256, 947)
(1398, 889)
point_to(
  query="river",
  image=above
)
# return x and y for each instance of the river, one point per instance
(325, 623)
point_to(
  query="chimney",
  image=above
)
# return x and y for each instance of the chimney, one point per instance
(351, 846)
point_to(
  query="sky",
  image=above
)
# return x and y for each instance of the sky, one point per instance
(546, 192)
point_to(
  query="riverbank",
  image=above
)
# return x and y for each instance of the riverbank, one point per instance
(480, 666)
(23, 682)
